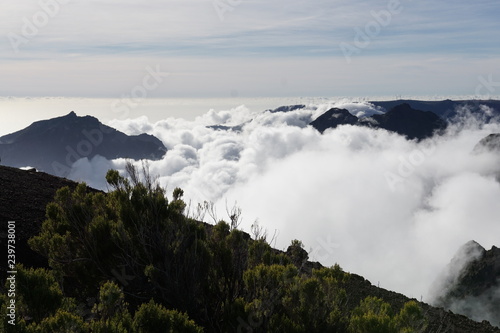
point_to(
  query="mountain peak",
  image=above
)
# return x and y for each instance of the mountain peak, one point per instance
(472, 277)
(466, 254)
(488, 143)
(53, 145)
(470, 248)
(333, 118)
(402, 106)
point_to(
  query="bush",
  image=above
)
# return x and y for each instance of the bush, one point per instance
(154, 318)
(61, 322)
(111, 310)
(374, 315)
(39, 294)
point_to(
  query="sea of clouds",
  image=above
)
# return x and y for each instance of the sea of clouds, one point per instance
(392, 210)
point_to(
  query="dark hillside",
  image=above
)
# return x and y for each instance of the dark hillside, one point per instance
(23, 198)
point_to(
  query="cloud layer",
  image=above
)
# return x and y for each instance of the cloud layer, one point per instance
(392, 210)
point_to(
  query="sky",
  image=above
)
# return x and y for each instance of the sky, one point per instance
(125, 61)
(247, 48)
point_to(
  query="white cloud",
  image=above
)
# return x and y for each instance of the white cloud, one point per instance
(92, 171)
(333, 188)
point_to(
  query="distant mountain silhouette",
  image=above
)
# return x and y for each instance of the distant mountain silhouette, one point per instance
(333, 118)
(402, 119)
(415, 119)
(54, 145)
(445, 109)
(412, 123)
(287, 108)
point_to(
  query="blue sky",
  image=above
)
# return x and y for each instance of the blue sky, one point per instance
(213, 48)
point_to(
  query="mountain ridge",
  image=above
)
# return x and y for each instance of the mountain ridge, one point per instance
(446, 109)
(53, 145)
(401, 119)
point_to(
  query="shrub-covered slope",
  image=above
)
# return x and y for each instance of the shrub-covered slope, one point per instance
(133, 261)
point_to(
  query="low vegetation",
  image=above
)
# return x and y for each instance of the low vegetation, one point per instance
(133, 261)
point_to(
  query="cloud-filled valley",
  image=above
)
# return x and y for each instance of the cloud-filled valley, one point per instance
(390, 209)
(369, 131)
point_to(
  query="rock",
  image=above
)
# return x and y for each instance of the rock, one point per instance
(471, 284)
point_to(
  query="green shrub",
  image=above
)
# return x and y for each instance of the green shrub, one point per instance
(61, 322)
(154, 318)
(39, 294)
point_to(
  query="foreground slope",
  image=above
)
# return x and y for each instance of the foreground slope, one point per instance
(24, 194)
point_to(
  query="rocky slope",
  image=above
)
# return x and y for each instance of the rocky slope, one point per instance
(489, 143)
(23, 198)
(470, 284)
